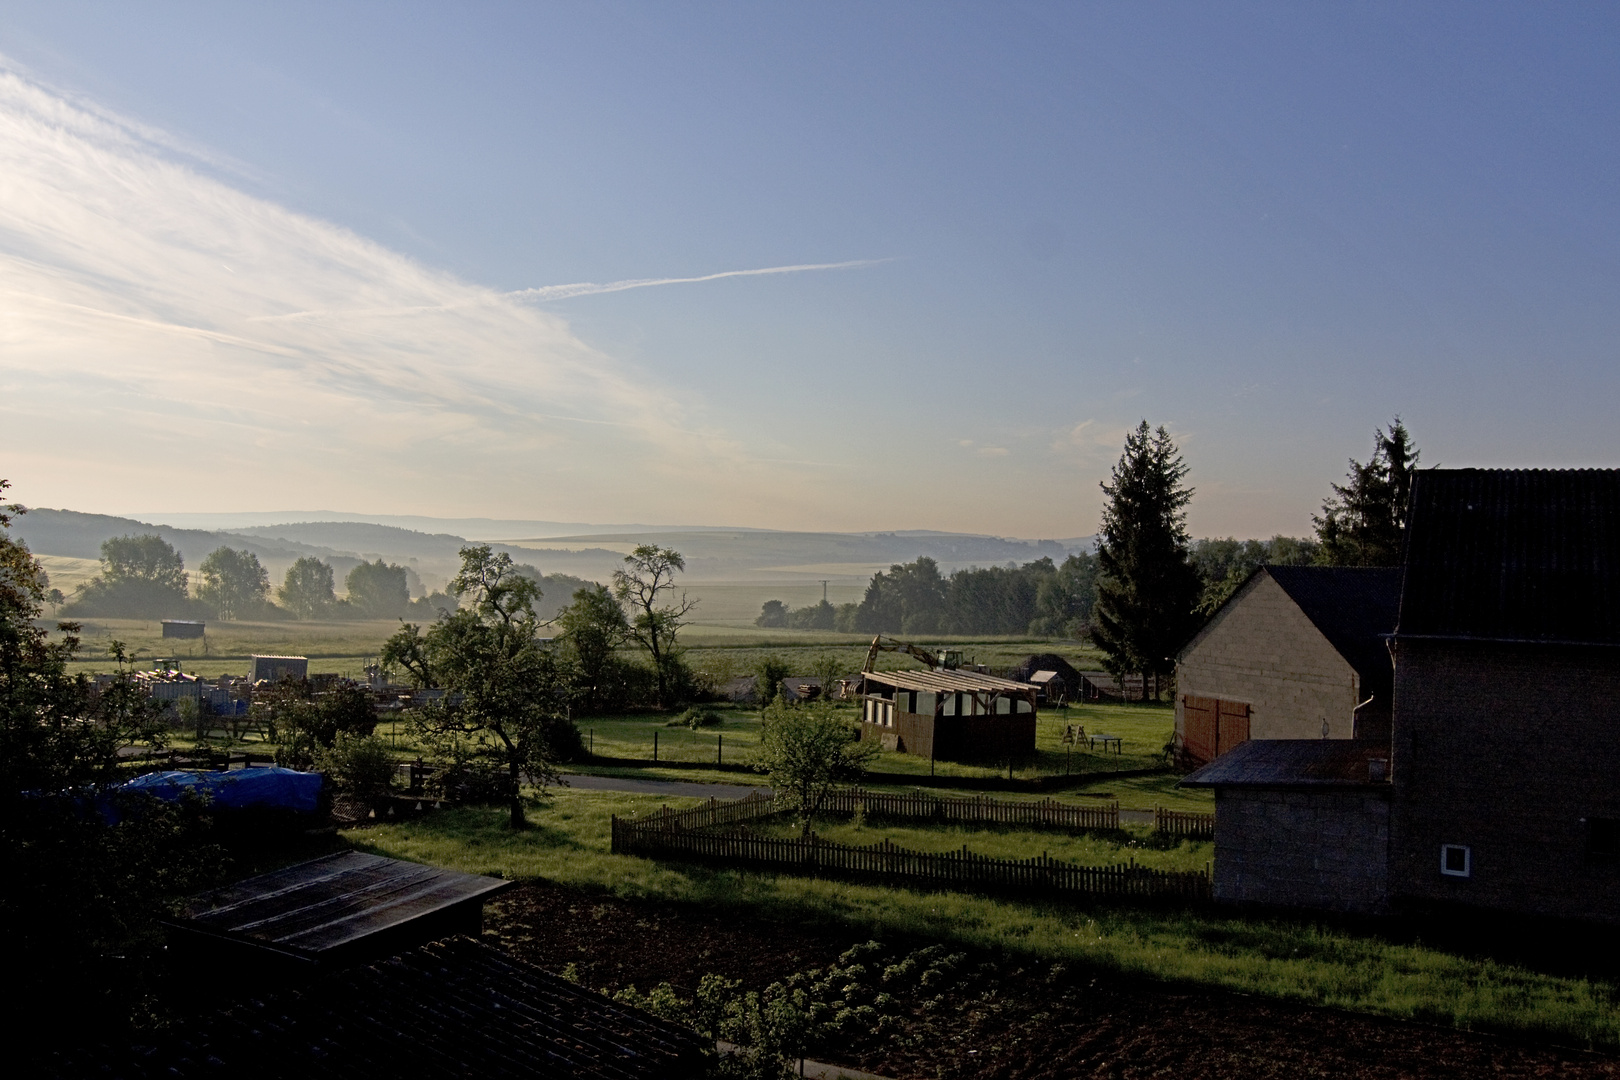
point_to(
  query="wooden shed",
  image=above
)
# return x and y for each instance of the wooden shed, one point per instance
(953, 715)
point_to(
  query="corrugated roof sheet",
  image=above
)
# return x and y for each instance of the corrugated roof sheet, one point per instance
(326, 903)
(1292, 763)
(948, 682)
(1514, 555)
(1354, 607)
(453, 1008)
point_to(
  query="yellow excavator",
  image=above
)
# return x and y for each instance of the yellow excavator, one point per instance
(944, 660)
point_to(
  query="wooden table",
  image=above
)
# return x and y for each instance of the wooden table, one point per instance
(1105, 740)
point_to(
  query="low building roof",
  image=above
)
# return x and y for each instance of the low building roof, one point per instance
(1293, 763)
(451, 1008)
(1523, 555)
(314, 908)
(949, 682)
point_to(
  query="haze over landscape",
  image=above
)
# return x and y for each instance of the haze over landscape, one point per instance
(839, 269)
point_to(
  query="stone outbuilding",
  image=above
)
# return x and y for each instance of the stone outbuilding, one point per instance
(1297, 652)
(1301, 823)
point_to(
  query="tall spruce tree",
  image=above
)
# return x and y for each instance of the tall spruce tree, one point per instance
(1147, 588)
(1364, 522)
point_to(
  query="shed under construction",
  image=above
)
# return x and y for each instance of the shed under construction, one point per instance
(952, 715)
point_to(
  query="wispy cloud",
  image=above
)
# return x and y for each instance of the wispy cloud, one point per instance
(150, 328)
(590, 288)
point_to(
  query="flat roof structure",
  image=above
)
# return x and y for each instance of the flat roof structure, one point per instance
(448, 1009)
(336, 908)
(949, 682)
(1296, 763)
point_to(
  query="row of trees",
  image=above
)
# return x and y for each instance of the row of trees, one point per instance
(144, 576)
(1155, 586)
(1041, 597)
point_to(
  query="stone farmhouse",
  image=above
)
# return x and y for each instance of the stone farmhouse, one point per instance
(1507, 668)
(1297, 652)
(1499, 785)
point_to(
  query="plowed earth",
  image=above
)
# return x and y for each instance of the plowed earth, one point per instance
(1013, 1018)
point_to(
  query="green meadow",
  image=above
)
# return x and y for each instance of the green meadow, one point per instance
(1312, 962)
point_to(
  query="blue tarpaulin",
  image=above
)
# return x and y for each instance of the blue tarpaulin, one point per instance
(268, 787)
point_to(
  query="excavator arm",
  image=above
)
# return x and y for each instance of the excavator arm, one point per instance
(884, 644)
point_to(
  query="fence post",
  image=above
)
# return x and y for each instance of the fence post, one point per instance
(655, 744)
(719, 749)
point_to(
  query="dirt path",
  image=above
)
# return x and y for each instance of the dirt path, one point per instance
(1017, 1019)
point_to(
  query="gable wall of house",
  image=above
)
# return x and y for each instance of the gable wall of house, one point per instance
(1315, 849)
(1505, 749)
(1261, 649)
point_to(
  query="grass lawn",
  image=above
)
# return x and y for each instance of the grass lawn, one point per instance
(1084, 849)
(339, 647)
(1320, 964)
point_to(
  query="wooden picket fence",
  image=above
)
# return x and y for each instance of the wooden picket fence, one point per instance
(1192, 825)
(980, 810)
(718, 833)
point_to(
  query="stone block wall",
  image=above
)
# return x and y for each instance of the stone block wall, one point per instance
(1511, 751)
(1315, 849)
(1261, 649)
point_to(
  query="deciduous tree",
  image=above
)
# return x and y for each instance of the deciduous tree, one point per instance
(1148, 587)
(233, 583)
(647, 584)
(379, 590)
(79, 899)
(808, 751)
(307, 590)
(594, 628)
(506, 706)
(140, 576)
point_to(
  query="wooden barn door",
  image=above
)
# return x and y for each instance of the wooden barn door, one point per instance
(1199, 720)
(1231, 726)
(1211, 727)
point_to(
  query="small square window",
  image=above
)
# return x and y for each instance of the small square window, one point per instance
(1456, 860)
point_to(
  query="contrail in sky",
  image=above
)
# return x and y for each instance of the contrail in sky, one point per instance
(589, 288)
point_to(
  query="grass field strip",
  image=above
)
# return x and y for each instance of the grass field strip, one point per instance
(693, 834)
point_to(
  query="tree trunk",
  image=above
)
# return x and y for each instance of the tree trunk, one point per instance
(518, 820)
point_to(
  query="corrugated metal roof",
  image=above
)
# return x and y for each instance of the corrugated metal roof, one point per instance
(1293, 763)
(948, 681)
(326, 903)
(452, 1008)
(1354, 607)
(1514, 555)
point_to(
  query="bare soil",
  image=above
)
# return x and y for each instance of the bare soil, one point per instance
(1014, 1018)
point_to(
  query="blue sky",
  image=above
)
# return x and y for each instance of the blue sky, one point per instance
(299, 256)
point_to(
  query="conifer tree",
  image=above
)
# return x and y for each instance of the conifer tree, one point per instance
(1147, 588)
(1364, 522)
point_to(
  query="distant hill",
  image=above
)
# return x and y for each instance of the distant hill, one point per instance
(712, 555)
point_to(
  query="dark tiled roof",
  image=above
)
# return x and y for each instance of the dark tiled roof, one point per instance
(1354, 607)
(1292, 763)
(452, 1008)
(1514, 555)
(319, 906)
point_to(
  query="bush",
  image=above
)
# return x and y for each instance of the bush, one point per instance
(769, 673)
(361, 766)
(696, 718)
